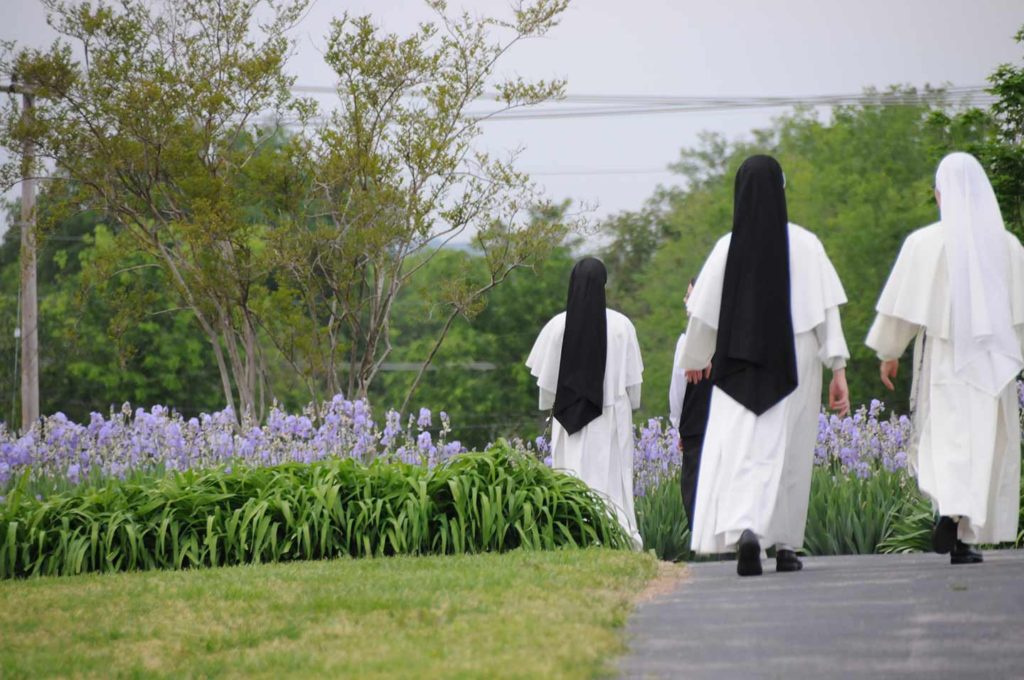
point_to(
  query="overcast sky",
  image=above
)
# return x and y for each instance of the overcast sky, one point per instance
(680, 48)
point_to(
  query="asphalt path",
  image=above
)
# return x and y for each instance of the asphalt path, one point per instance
(878, 616)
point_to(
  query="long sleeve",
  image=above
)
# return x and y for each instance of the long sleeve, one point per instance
(834, 352)
(547, 400)
(677, 386)
(890, 335)
(633, 391)
(699, 346)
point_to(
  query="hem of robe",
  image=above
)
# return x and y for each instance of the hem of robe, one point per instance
(971, 469)
(755, 471)
(601, 455)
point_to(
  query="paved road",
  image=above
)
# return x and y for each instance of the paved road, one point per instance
(879, 616)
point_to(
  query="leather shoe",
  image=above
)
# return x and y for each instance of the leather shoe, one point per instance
(964, 554)
(748, 554)
(944, 535)
(786, 560)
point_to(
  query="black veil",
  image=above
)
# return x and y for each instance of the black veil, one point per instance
(755, 355)
(579, 398)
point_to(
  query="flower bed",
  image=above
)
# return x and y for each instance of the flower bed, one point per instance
(59, 454)
(861, 490)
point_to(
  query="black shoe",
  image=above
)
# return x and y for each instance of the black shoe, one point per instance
(944, 536)
(748, 555)
(786, 560)
(964, 554)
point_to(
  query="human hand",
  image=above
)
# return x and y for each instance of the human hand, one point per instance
(694, 377)
(839, 393)
(888, 370)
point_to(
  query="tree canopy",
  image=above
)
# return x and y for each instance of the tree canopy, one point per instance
(282, 246)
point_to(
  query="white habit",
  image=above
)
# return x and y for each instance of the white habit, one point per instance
(966, 445)
(755, 471)
(601, 454)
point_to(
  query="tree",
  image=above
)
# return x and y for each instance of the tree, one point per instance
(636, 237)
(1003, 155)
(111, 327)
(156, 128)
(292, 244)
(397, 175)
(996, 137)
(478, 375)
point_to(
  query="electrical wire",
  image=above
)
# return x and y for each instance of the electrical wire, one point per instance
(618, 105)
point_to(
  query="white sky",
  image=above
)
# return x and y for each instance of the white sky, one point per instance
(684, 48)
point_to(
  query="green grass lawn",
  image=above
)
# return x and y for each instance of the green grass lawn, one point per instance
(521, 614)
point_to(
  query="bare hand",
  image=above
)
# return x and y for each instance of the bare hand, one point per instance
(694, 377)
(839, 393)
(888, 371)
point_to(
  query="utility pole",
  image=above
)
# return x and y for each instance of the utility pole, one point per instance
(29, 303)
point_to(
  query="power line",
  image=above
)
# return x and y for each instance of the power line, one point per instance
(603, 171)
(661, 100)
(618, 105)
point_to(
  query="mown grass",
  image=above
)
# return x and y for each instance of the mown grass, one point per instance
(555, 614)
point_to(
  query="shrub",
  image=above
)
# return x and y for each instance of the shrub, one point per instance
(851, 514)
(662, 521)
(493, 501)
(911, 529)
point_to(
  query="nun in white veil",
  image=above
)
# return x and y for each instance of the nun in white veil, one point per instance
(958, 288)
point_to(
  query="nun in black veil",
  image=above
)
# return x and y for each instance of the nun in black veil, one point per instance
(766, 306)
(587, 364)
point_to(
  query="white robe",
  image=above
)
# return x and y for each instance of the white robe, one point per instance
(601, 454)
(966, 445)
(755, 471)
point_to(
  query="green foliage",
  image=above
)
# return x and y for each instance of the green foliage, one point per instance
(156, 129)
(911, 529)
(286, 248)
(1001, 149)
(851, 516)
(110, 329)
(637, 237)
(478, 376)
(493, 501)
(396, 174)
(661, 521)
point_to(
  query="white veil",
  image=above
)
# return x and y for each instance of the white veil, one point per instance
(986, 352)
